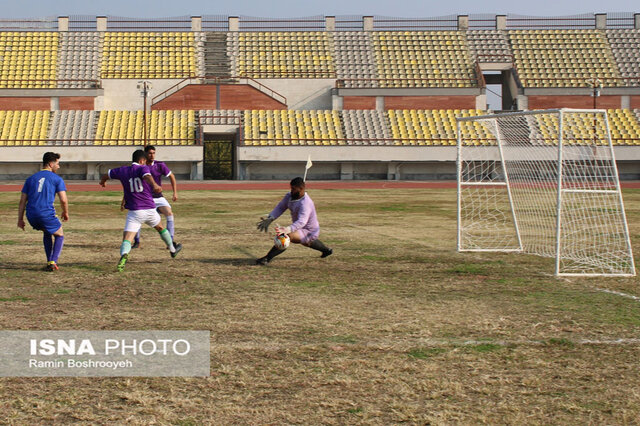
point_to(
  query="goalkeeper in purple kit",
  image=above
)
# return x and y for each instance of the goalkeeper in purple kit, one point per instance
(139, 186)
(304, 228)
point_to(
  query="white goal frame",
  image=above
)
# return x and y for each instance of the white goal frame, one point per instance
(521, 174)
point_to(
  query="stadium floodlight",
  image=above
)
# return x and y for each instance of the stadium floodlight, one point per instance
(544, 183)
(144, 87)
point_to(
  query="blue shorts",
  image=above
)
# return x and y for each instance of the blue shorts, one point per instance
(49, 223)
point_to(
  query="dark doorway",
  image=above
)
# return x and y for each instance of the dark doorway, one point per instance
(218, 156)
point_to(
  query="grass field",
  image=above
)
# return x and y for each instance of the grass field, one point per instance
(394, 327)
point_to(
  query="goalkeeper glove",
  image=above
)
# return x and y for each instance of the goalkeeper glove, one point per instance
(283, 230)
(263, 224)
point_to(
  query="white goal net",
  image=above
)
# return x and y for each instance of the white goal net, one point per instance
(544, 183)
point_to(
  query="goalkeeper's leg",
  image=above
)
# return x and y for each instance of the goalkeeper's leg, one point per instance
(275, 251)
(319, 245)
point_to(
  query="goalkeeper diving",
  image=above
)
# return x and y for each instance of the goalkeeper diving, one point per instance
(304, 228)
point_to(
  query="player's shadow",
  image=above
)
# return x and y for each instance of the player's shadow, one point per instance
(235, 261)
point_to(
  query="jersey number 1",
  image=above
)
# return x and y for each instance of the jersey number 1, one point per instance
(40, 184)
(135, 184)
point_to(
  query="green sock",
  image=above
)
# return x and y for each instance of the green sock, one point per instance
(166, 237)
(125, 247)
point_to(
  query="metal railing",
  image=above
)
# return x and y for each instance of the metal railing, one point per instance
(6, 83)
(219, 80)
(121, 23)
(522, 22)
(318, 23)
(310, 23)
(387, 23)
(49, 23)
(342, 83)
(270, 142)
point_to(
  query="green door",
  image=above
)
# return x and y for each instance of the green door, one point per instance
(218, 156)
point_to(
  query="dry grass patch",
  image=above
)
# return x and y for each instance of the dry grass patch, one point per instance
(394, 327)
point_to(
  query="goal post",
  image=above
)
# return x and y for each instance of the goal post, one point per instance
(544, 183)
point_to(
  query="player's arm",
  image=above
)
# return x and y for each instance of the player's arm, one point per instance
(264, 222)
(64, 203)
(174, 186)
(152, 183)
(21, 207)
(103, 180)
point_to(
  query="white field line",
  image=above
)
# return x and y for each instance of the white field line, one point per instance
(618, 293)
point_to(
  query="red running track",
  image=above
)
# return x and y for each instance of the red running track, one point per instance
(284, 185)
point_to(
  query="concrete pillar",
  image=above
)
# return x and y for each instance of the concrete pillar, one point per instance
(392, 171)
(98, 103)
(54, 104)
(93, 171)
(101, 23)
(625, 102)
(463, 22)
(601, 21)
(367, 23)
(346, 171)
(63, 23)
(234, 23)
(329, 23)
(197, 168)
(337, 102)
(196, 23)
(501, 22)
(523, 102)
(636, 21)
(481, 101)
(379, 103)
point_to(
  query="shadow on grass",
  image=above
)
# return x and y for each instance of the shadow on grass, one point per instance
(236, 261)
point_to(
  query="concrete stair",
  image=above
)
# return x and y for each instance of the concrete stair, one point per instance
(216, 62)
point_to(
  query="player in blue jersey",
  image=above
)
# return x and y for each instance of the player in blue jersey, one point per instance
(138, 186)
(159, 169)
(38, 194)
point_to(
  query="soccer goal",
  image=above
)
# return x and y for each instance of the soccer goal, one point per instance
(544, 183)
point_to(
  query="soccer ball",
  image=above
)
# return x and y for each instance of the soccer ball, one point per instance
(281, 241)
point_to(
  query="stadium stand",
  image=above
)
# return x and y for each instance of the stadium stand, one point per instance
(625, 45)
(355, 64)
(79, 59)
(563, 58)
(287, 54)
(423, 59)
(625, 126)
(338, 87)
(72, 127)
(489, 46)
(366, 127)
(28, 59)
(623, 123)
(165, 127)
(149, 55)
(289, 127)
(219, 116)
(433, 127)
(23, 128)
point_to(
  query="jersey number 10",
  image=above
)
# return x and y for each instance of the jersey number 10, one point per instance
(135, 184)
